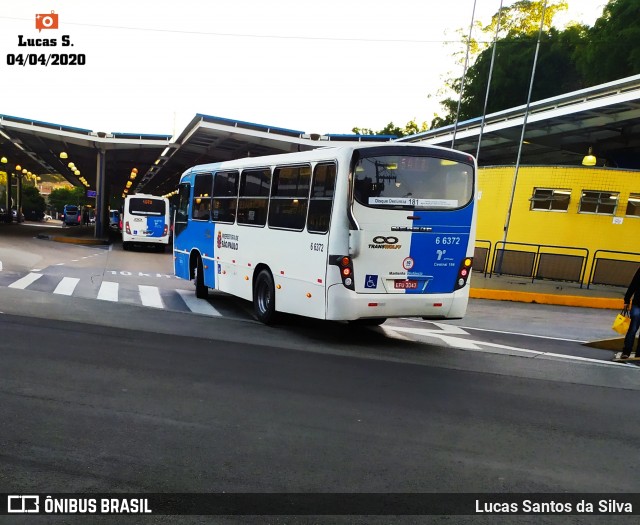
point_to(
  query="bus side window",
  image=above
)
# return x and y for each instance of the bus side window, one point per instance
(202, 189)
(321, 201)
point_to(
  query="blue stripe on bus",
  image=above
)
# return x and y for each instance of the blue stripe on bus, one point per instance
(437, 255)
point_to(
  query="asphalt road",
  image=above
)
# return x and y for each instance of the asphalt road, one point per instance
(101, 396)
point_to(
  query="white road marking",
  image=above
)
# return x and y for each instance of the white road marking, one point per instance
(108, 291)
(66, 286)
(444, 333)
(498, 331)
(150, 296)
(25, 281)
(0, 266)
(198, 306)
(446, 336)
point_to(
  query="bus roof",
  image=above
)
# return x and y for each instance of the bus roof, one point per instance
(315, 155)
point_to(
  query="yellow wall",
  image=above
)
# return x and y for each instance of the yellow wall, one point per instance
(570, 228)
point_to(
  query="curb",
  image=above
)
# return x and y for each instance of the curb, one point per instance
(73, 240)
(614, 344)
(543, 298)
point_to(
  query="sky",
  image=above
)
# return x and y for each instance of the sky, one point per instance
(318, 67)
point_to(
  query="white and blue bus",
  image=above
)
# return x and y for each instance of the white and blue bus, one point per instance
(146, 220)
(353, 233)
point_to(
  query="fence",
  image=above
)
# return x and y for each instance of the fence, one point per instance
(556, 263)
(615, 272)
(481, 257)
(540, 261)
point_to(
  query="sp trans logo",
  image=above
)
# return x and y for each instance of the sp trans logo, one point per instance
(76, 504)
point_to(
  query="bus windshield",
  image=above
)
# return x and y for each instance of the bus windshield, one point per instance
(143, 206)
(415, 182)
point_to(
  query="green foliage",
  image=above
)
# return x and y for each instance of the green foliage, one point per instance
(523, 17)
(61, 196)
(411, 128)
(33, 204)
(614, 44)
(570, 59)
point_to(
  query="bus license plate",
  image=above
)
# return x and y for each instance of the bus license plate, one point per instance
(405, 285)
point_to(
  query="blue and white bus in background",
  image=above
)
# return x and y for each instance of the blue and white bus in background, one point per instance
(354, 233)
(71, 215)
(145, 220)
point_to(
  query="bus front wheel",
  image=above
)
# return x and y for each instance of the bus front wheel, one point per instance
(202, 291)
(264, 298)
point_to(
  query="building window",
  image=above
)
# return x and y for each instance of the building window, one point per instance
(550, 199)
(602, 202)
(633, 206)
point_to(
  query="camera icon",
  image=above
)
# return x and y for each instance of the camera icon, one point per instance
(47, 21)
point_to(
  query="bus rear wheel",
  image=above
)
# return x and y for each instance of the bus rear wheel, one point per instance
(264, 298)
(202, 292)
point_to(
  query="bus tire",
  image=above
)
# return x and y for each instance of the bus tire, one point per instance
(126, 246)
(264, 298)
(202, 292)
(374, 321)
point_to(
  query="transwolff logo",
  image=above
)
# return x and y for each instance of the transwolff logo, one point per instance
(46, 21)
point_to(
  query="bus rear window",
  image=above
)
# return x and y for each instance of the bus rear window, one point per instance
(142, 206)
(415, 182)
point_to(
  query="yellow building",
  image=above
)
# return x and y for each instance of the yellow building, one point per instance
(589, 209)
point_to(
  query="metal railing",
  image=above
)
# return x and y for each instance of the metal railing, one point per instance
(540, 261)
(481, 257)
(613, 271)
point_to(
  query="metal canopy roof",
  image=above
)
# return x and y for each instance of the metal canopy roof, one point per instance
(37, 145)
(558, 131)
(214, 139)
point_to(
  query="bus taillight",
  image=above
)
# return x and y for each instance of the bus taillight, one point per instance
(166, 229)
(463, 273)
(127, 229)
(345, 264)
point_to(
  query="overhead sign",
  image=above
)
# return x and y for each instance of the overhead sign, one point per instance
(91, 193)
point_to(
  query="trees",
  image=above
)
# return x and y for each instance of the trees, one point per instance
(61, 196)
(570, 59)
(614, 44)
(33, 204)
(411, 128)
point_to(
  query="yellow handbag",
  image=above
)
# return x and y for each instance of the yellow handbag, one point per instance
(621, 322)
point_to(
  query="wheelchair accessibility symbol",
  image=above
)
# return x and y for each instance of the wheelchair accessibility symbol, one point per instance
(370, 281)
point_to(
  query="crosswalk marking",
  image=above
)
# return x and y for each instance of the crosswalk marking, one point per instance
(197, 306)
(150, 296)
(66, 286)
(108, 291)
(25, 281)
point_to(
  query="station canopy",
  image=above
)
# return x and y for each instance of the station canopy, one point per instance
(558, 131)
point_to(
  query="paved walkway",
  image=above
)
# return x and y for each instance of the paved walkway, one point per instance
(508, 288)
